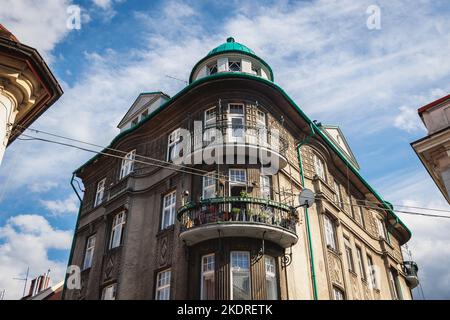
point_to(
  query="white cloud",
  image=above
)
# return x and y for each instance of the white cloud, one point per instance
(430, 237)
(24, 242)
(39, 24)
(408, 120)
(104, 4)
(42, 187)
(321, 52)
(59, 207)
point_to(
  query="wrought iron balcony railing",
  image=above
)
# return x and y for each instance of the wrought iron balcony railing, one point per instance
(239, 214)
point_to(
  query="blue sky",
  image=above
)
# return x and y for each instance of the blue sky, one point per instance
(369, 82)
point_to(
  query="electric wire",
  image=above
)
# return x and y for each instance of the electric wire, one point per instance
(199, 172)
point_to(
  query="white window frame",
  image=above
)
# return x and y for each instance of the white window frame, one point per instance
(393, 279)
(338, 294)
(211, 66)
(265, 187)
(209, 271)
(319, 167)
(162, 286)
(117, 228)
(209, 186)
(330, 232)
(127, 165)
(349, 255)
(173, 141)
(270, 267)
(372, 272)
(239, 269)
(100, 193)
(236, 134)
(209, 124)
(109, 292)
(360, 262)
(89, 252)
(236, 62)
(169, 203)
(381, 229)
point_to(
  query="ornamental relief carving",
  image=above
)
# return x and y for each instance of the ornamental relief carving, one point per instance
(355, 288)
(335, 269)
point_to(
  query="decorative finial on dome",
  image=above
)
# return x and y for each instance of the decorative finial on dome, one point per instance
(230, 39)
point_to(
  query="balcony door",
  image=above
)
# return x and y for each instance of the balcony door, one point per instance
(235, 130)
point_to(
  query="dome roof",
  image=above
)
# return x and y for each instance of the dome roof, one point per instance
(231, 45)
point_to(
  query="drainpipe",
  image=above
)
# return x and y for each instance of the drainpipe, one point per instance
(308, 229)
(74, 235)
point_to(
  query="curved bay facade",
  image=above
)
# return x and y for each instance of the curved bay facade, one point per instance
(197, 198)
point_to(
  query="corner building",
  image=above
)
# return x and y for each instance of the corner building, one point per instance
(149, 228)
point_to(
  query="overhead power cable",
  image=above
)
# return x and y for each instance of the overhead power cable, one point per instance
(199, 172)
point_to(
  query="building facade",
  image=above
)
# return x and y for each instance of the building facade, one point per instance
(434, 149)
(197, 198)
(27, 87)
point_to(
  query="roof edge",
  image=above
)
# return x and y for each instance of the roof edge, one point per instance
(289, 99)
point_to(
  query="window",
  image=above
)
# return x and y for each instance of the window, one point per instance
(212, 68)
(319, 167)
(359, 260)
(238, 181)
(174, 145)
(109, 292)
(338, 294)
(127, 164)
(338, 194)
(89, 253)
(359, 216)
(209, 125)
(168, 213)
(234, 65)
(330, 233)
(163, 285)
(134, 121)
(255, 70)
(117, 230)
(393, 279)
(265, 187)
(209, 186)
(261, 126)
(144, 114)
(100, 192)
(236, 123)
(349, 254)
(381, 229)
(207, 289)
(372, 272)
(271, 278)
(240, 275)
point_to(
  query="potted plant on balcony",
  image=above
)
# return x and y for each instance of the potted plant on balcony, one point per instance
(263, 216)
(244, 194)
(236, 212)
(251, 216)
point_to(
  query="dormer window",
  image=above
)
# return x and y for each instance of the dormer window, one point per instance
(234, 65)
(212, 68)
(144, 114)
(256, 71)
(134, 122)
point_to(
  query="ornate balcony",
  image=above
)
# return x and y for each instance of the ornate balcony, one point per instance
(411, 268)
(238, 217)
(254, 144)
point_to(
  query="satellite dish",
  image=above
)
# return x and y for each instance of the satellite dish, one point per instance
(306, 198)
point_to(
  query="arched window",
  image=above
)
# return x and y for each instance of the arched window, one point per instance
(319, 167)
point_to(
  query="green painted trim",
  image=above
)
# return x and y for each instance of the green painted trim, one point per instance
(72, 247)
(308, 228)
(223, 75)
(232, 51)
